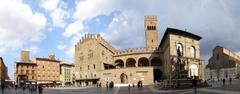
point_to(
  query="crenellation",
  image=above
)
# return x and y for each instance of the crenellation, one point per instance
(130, 50)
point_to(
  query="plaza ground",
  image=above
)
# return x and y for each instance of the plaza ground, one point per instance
(217, 88)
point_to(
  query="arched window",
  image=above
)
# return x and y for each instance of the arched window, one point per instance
(192, 52)
(94, 66)
(180, 47)
(148, 28)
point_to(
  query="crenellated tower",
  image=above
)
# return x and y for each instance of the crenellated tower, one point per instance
(151, 32)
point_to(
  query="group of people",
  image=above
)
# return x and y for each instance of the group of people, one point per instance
(139, 85)
(109, 85)
(224, 80)
(31, 88)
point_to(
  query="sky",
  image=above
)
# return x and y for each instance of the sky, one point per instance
(55, 26)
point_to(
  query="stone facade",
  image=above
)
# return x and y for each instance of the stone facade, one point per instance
(96, 60)
(223, 64)
(25, 70)
(3, 72)
(42, 70)
(48, 70)
(66, 73)
(189, 47)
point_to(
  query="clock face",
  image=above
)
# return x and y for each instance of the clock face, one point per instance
(179, 46)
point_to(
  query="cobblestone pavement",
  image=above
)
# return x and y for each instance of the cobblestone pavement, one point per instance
(217, 88)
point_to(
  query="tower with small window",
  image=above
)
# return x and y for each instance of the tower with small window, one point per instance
(151, 32)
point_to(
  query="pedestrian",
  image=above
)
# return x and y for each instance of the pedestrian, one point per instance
(129, 87)
(230, 80)
(194, 84)
(141, 84)
(100, 84)
(40, 89)
(107, 86)
(223, 81)
(133, 85)
(2, 87)
(138, 84)
(16, 87)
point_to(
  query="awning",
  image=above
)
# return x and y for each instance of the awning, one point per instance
(92, 79)
(108, 66)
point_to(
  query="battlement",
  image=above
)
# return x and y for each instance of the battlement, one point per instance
(150, 17)
(130, 50)
(87, 37)
(97, 37)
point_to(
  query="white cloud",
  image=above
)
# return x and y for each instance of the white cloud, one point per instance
(50, 4)
(2, 51)
(50, 29)
(73, 28)
(220, 18)
(86, 9)
(19, 25)
(57, 11)
(61, 46)
(70, 49)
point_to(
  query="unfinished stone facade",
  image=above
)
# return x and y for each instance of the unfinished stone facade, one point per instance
(223, 64)
(96, 60)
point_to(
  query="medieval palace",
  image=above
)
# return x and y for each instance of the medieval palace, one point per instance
(97, 61)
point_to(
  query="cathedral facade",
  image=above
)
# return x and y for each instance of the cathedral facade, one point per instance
(97, 61)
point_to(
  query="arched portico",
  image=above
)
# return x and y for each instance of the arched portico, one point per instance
(131, 62)
(143, 61)
(119, 63)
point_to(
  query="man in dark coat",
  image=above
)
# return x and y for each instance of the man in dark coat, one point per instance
(40, 89)
(194, 84)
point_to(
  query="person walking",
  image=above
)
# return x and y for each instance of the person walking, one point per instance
(2, 87)
(230, 80)
(40, 89)
(129, 87)
(141, 84)
(194, 84)
(223, 80)
(107, 86)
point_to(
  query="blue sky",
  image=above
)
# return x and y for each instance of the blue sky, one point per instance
(44, 26)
